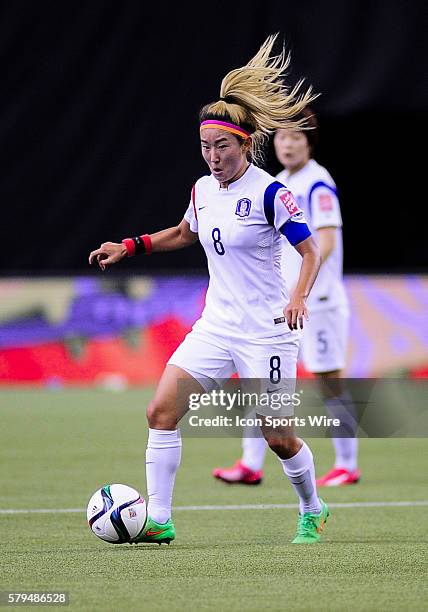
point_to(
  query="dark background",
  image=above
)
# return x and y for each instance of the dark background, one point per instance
(99, 132)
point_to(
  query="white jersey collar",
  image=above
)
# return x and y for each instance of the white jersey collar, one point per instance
(236, 184)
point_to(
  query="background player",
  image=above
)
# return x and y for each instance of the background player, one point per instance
(248, 325)
(324, 342)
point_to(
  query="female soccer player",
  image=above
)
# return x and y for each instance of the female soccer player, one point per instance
(324, 341)
(240, 214)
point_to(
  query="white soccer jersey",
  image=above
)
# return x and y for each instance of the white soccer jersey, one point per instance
(238, 228)
(315, 193)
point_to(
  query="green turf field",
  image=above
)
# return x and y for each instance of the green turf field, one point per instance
(58, 447)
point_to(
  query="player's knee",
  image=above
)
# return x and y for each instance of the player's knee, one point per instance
(283, 446)
(160, 416)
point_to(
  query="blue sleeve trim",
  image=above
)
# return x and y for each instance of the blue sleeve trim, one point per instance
(312, 189)
(295, 232)
(269, 201)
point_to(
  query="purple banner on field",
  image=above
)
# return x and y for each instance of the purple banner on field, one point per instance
(388, 324)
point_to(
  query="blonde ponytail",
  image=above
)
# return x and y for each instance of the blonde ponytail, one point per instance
(256, 98)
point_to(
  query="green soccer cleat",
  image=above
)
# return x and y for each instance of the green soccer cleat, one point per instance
(309, 526)
(156, 533)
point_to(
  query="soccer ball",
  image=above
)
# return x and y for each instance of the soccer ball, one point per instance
(116, 513)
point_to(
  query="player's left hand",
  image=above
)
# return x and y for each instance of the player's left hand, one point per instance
(295, 312)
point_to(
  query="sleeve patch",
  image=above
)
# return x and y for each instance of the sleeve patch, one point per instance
(289, 202)
(326, 202)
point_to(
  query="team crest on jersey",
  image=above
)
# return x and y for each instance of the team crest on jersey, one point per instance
(243, 207)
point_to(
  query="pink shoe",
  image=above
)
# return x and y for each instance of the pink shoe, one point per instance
(338, 477)
(238, 473)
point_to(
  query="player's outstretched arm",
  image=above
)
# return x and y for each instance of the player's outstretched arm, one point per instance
(173, 238)
(170, 239)
(296, 310)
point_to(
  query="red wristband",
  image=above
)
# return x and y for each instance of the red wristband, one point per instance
(129, 245)
(147, 243)
(139, 244)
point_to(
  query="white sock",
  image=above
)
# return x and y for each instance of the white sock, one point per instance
(346, 453)
(163, 457)
(254, 448)
(346, 445)
(300, 471)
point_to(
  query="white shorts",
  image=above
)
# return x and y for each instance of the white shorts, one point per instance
(214, 358)
(325, 339)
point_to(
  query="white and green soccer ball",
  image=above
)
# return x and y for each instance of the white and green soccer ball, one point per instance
(116, 513)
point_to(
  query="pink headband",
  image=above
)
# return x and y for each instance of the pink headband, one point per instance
(223, 125)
